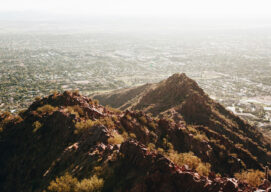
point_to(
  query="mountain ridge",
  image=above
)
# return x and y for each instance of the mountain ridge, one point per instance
(71, 141)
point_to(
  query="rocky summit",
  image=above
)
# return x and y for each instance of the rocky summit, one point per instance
(168, 137)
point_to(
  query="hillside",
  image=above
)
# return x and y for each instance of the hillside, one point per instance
(180, 98)
(68, 142)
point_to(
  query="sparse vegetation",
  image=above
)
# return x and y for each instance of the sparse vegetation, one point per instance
(46, 109)
(252, 177)
(67, 183)
(37, 98)
(107, 121)
(151, 146)
(132, 135)
(115, 139)
(128, 116)
(112, 109)
(153, 125)
(75, 110)
(201, 136)
(84, 125)
(191, 160)
(143, 119)
(36, 126)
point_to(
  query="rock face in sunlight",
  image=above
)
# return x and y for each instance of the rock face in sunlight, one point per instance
(168, 136)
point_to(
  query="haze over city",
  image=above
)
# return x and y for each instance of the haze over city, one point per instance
(146, 95)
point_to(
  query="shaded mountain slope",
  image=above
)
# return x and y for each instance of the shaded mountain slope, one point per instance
(123, 98)
(68, 142)
(181, 99)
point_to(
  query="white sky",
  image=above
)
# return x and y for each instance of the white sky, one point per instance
(164, 8)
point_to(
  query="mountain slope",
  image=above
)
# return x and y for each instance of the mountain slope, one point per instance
(68, 142)
(180, 98)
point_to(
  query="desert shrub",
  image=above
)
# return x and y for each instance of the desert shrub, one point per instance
(6, 118)
(167, 145)
(132, 135)
(115, 118)
(36, 126)
(203, 168)
(107, 121)
(37, 98)
(125, 135)
(46, 109)
(238, 145)
(76, 92)
(151, 146)
(143, 119)
(201, 136)
(94, 184)
(78, 109)
(72, 111)
(160, 150)
(191, 160)
(67, 183)
(153, 125)
(75, 110)
(252, 177)
(115, 139)
(21, 112)
(96, 102)
(191, 129)
(84, 125)
(221, 146)
(112, 109)
(218, 175)
(128, 116)
(97, 170)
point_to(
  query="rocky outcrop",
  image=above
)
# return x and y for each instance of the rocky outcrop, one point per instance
(163, 175)
(181, 99)
(71, 133)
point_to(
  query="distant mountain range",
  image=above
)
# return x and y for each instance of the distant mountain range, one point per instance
(168, 136)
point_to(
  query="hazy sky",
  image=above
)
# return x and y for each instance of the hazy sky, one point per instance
(163, 8)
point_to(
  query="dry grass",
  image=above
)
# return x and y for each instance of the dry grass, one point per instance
(115, 139)
(191, 160)
(67, 183)
(84, 125)
(252, 177)
(46, 109)
(143, 120)
(36, 125)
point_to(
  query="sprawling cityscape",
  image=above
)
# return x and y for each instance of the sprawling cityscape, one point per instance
(233, 67)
